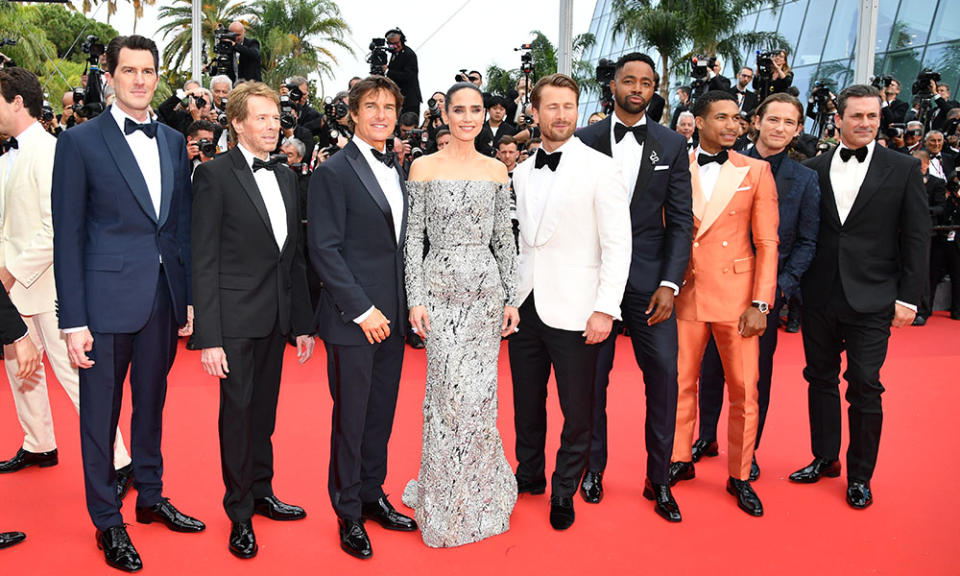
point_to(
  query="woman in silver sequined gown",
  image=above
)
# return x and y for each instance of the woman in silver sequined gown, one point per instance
(461, 296)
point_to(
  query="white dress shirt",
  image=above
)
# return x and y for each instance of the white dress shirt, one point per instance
(628, 153)
(540, 182)
(389, 181)
(936, 167)
(147, 154)
(272, 197)
(709, 174)
(846, 178)
(11, 156)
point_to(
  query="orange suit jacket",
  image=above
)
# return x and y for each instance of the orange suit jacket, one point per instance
(734, 255)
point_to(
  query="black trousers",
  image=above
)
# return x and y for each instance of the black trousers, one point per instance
(711, 379)
(533, 350)
(248, 416)
(148, 355)
(364, 381)
(945, 259)
(655, 349)
(827, 331)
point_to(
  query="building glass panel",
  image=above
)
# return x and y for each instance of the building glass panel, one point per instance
(810, 47)
(912, 24)
(886, 16)
(945, 59)
(946, 26)
(791, 21)
(842, 39)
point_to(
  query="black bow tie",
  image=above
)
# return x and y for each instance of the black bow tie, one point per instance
(10, 144)
(270, 164)
(860, 153)
(639, 132)
(934, 156)
(150, 128)
(549, 160)
(386, 157)
(704, 159)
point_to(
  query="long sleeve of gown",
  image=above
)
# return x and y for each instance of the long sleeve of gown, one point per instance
(503, 245)
(413, 245)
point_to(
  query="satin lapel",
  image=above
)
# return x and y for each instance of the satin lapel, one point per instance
(651, 150)
(730, 178)
(699, 200)
(552, 210)
(166, 176)
(359, 164)
(126, 162)
(288, 191)
(403, 218)
(826, 187)
(527, 224)
(603, 136)
(245, 175)
(872, 182)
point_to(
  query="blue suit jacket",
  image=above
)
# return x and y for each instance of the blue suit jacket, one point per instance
(108, 242)
(661, 210)
(798, 192)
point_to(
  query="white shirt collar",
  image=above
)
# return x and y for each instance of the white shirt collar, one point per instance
(119, 115)
(248, 155)
(616, 119)
(869, 146)
(29, 132)
(367, 150)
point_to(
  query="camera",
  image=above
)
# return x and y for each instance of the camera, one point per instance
(333, 112)
(379, 56)
(287, 118)
(896, 130)
(417, 139)
(830, 130)
(222, 114)
(93, 48)
(605, 72)
(821, 92)
(207, 147)
(46, 113)
(223, 46)
(950, 128)
(433, 107)
(526, 59)
(198, 100)
(7, 42)
(700, 66)
(462, 76)
(92, 95)
(765, 65)
(881, 82)
(296, 94)
(921, 86)
(301, 168)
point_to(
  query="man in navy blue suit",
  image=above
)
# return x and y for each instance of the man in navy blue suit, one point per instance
(779, 120)
(121, 219)
(654, 164)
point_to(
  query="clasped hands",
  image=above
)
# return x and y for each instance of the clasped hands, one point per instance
(420, 320)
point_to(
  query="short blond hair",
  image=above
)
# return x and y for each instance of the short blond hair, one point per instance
(556, 80)
(237, 103)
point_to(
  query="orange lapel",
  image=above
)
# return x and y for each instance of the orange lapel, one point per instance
(732, 173)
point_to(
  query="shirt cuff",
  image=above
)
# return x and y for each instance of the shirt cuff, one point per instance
(25, 334)
(669, 284)
(73, 330)
(359, 319)
(910, 306)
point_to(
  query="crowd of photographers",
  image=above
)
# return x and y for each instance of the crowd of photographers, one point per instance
(925, 126)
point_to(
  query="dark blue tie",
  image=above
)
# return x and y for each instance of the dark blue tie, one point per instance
(149, 128)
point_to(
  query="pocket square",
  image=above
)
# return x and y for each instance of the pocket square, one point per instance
(664, 167)
(742, 188)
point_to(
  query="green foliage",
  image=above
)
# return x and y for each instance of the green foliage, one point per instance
(23, 24)
(501, 81)
(176, 18)
(63, 27)
(58, 76)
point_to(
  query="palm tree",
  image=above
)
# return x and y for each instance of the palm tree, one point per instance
(25, 24)
(297, 37)
(712, 28)
(661, 27)
(544, 56)
(112, 9)
(177, 20)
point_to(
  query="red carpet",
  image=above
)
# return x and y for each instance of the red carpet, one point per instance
(910, 529)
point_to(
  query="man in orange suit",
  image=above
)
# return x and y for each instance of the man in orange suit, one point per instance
(728, 287)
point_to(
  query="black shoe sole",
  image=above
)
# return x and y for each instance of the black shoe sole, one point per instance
(37, 464)
(649, 495)
(688, 475)
(147, 518)
(755, 513)
(244, 555)
(354, 553)
(388, 526)
(536, 489)
(275, 518)
(856, 507)
(815, 479)
(118, 566)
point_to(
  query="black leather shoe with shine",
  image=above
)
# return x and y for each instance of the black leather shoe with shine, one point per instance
(274, 509)
(561, 512)
(591, 487)
(681, 471)
(383, 513)
(23, 459)
(118, 550)
(747, 499)
(8, 539)
(812, 472)
(664, 503)
(165, 513)
(754, 470)
(354, 540)
(538, 486)
(703, 448)
(124, 480)
(859, 495)
(243, 542)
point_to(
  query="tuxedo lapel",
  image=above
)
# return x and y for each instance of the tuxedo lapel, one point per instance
(566, 174)
(403, 217)
(699, 200)
(288, 191)
(822, 165)
(873, 181)
(359, 164)
(166, 176)
(729, 180)
(652, 152)
(245, 175)
(126, 162)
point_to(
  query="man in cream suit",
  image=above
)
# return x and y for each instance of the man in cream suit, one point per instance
(26, 258)
(575, 245)
(728, 287)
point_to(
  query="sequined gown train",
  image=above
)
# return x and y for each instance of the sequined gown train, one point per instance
(466, 490)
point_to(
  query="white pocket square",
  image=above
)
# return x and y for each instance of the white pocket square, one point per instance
(741, 189)
(664, 167)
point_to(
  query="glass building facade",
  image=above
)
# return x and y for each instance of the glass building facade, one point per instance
(911, 35)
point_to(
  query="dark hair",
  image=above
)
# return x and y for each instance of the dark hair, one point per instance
(783, 98)
(132, 42)
(533, 141)
(685, 89)
(442, 132)
(477, 72)
(702, 106)
(198, 125)
(507, 139)
(557, 81)
(458, 87)
(856, 91)
(23, 83)
(635, 57)
(409, 118)
(373, 84)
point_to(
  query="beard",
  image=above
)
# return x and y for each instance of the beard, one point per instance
(556, 135)
(624, 103)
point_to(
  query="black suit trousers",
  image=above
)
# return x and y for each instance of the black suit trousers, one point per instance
(655, 350)
(712, 379)
(364, 382)
(533, 350)
(148, 355)
(248, 415)
(827, 331)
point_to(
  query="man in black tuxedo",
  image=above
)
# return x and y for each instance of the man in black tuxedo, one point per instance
(357, 218)
(683, 105)
(404, 70)
(654, 164)
(944, 104)
(746, 99)
(250, 290)
(866, 276)
(778, 120)
(894, 110)
(942, 163)
(246, 56)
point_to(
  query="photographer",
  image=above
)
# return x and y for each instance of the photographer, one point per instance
(715, 80)
(443, 138)
(201, 142)
(403, 70)
(773, 74)
(298, 88)
(220, 87)
(185, 107)
(945, 248)
(935, 190)
(290, 126)
(912, 137)
(893, 110)
(821, 107)
(683, 105)
(941, 99)
(246, 58)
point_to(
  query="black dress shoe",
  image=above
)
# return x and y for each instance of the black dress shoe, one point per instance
(703, 448)
(354, 540)
(531, 486)
(415, 341)
(812, 472)
(793, 326)
(383, 513)
(118, 549)
(681, 471)
(919, 320)
(664, 505)
(274, 509)
(859, 495)
(124, 480)
(24, 459)
(591, 487)
(561, 512)
(747, 499)
(754, 470)
(8, 539)
(243, 542)
(164, 512)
